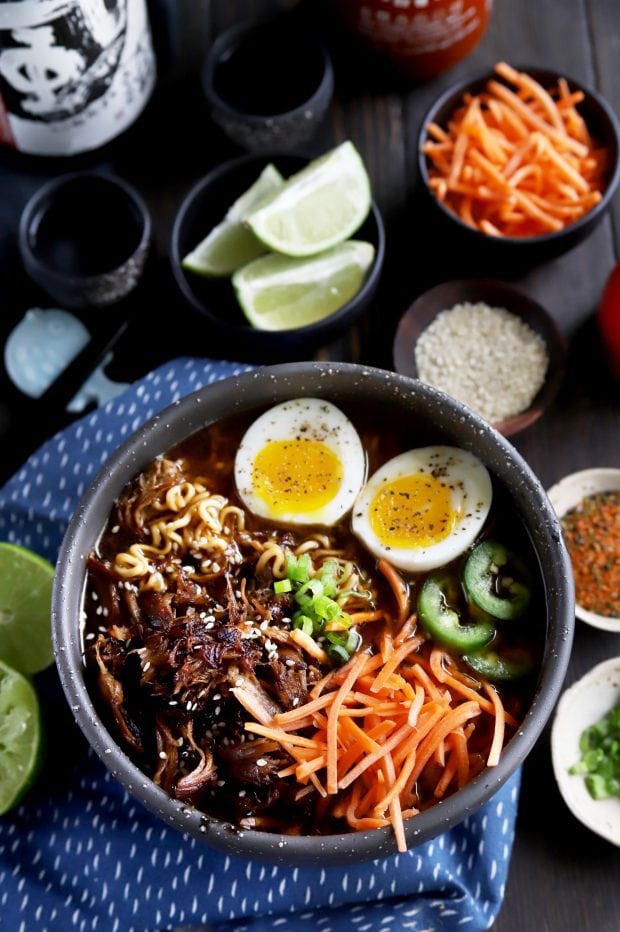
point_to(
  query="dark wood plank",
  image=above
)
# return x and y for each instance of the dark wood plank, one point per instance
(604, 26)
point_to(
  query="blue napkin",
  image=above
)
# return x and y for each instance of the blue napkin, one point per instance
(79, 853)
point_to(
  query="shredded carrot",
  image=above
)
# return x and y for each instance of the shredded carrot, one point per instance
(394, 661)
(332, 722)
(387, 731)
(498, 732)
(523, 147)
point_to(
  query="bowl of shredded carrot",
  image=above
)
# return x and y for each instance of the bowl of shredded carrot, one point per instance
(524, 159)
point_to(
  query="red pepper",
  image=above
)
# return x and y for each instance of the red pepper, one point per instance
(609, 320)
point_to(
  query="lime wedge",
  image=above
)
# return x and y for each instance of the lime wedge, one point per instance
(20, 736)
(25, 606)
(320, 206)
(280, 293)
(230, 245)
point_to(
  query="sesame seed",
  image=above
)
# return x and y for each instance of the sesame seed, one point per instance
(115, 529)
(163, 755)
(242, 793)
(90, 636)
(261, 762)
(94, 596)
(485, 357)
(146, 666)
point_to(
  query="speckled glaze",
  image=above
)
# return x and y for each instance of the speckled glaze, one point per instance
(420, 407)
(84, 291)
(279, 130)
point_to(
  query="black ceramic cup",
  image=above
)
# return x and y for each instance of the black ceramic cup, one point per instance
(84, 238)
(419, 409)
(268, 84)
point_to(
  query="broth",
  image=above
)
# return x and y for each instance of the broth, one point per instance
(186, 647)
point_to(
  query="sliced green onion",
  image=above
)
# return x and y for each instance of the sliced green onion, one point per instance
(600, 756)
(298, 568)
(326, 608)
(336, 652)
(304, 623)
(282, 585)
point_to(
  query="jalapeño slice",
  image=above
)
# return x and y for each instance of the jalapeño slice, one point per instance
(497, 581)
(437, 610)
(510, 665)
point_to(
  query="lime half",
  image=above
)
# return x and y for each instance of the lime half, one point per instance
(20, 736)
(281, 293)
(320, 206)
(230, 245)
(25, 609)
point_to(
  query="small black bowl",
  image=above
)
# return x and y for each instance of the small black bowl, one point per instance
(522, 251)
(84, 238)
(442, 297)
(268, 84)
(204, 207)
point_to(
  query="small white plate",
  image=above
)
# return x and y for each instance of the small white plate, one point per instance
(583, 704)
(566, 494)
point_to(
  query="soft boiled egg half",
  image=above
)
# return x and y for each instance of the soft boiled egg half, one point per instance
(423, 508)
(301, 462)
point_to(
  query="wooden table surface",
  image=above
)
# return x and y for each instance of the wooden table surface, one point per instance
(562, 877)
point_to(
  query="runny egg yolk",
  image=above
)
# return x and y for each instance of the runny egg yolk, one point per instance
(412, 511)
(296, 476)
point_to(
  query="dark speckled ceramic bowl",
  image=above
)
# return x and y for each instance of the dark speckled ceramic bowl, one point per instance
(421, 409)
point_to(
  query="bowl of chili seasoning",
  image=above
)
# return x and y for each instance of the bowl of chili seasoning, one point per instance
(588, 506)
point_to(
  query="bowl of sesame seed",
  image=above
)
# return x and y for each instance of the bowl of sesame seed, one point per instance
(487, 345)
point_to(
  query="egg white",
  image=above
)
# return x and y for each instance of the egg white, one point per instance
(308, 419)
(470, 493)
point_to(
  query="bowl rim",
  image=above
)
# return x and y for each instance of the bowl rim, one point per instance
(326, 324)
(459, 88)
(565, 494)
(53, 188)
(597, 815)
(403, 351)
(232, 38)
(244, 393)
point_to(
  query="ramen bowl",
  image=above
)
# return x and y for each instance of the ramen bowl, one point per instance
(420, 411)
